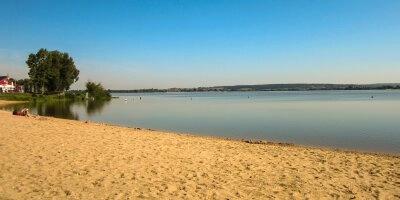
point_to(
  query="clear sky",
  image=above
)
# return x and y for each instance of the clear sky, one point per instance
(134, 44)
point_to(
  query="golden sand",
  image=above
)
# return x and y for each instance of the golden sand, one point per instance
(49, 158)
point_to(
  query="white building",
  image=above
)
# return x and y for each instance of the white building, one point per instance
(6, 85)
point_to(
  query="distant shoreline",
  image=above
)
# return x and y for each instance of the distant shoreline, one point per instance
(271, 87)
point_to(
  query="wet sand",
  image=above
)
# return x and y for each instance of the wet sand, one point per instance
(46, 158)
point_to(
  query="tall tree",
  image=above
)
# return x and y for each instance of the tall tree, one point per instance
(26, 84)
(37, 72)
(51, 71)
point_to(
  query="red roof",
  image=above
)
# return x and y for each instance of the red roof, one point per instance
(4, 80)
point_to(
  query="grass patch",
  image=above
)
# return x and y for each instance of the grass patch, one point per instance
(41, 97)
(16, 96)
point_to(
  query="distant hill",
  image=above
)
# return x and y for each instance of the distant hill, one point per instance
(274, 87)
(299, 87)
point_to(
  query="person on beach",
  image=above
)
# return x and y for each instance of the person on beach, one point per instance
(22, 112)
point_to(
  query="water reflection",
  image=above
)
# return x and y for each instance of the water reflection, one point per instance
(61, 109)
(95, 107)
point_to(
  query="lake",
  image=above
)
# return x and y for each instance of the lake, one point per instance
(356, 120)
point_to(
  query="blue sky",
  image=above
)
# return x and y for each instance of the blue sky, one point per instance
(183, 43)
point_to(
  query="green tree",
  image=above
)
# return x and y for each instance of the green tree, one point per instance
(25, 84)
(51, 71)
(37, 69)
(96, 91)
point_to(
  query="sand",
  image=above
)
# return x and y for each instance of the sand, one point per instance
(49, 158)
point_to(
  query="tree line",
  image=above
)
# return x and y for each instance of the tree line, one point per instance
(53, 72)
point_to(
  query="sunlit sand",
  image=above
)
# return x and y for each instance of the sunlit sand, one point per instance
(44, 158)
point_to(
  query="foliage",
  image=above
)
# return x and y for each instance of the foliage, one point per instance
(51, 71)
(97, 92)
(75, 95)
(26, 84)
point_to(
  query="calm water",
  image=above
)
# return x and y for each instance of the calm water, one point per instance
(343, 119)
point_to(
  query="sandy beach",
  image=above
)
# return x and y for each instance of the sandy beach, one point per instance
(49, 158)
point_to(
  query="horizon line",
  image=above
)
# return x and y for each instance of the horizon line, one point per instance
(382, 83)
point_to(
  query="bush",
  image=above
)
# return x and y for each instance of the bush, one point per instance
(97, 92)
